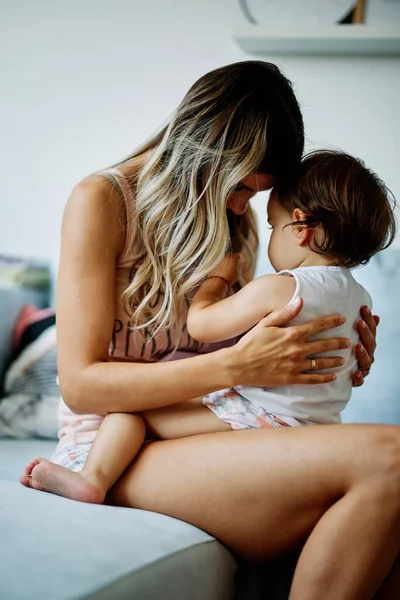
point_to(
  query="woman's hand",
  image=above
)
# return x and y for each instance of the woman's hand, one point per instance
(365, 351)
(270, 355)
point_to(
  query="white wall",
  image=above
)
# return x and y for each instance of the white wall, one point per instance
(84, 82)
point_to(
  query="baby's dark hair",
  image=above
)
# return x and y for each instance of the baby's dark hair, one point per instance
(352, 205)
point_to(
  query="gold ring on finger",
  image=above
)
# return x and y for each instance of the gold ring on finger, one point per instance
(313, 364)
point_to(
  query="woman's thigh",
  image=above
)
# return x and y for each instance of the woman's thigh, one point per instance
(259, 491)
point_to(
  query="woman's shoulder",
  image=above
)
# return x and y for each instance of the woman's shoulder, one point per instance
(107, 200)
(115, 186)
(95, 203)
(97, 187)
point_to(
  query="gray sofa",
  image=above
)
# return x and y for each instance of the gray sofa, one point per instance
(53, 548)
(56, 549)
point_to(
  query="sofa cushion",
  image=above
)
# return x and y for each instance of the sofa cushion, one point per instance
(15, 454)
(60, 549)
(31, 390)
(12, 301)
(377, 401)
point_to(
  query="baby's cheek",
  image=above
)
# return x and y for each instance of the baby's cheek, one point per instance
(270, 249)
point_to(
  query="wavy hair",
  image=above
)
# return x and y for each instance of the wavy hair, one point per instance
(235, 120)
(349, 204)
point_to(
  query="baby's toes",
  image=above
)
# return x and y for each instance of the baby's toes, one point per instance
(26, 480)
(29, 468)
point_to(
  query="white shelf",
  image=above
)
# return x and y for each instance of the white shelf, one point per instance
(312, 40)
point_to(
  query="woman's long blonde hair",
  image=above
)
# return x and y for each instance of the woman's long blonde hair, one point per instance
(234, 120)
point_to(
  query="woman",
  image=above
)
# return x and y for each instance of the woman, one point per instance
(133, 252)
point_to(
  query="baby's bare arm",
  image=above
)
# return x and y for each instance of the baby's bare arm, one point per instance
(211, 319)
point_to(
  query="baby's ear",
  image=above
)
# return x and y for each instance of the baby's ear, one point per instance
(302, 232)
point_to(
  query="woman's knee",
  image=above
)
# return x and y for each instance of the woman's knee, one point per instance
(380, 456)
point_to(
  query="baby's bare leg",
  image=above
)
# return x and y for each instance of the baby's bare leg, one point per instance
(181, 420)
(117, 443)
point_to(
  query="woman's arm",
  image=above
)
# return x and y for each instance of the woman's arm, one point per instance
(212, 319)
(92, 239)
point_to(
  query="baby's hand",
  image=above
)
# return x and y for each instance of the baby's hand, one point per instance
(230, 267)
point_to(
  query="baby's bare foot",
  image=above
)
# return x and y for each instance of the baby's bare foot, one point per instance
(41, 474)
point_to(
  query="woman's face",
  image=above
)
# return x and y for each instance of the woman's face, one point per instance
(249, 186)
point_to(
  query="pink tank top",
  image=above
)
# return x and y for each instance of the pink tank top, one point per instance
(81, 429)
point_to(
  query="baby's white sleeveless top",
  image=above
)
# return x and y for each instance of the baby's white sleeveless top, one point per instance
(325, 291)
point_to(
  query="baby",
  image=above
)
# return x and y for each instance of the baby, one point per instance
(337, 217)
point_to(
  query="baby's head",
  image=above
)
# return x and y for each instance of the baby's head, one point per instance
(338, 213)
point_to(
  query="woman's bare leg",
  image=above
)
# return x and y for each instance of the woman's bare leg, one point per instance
(263, 492)
(367, 546)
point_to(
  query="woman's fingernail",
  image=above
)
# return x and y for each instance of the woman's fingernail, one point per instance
(296, 302)
(362, 324)
(342, 361)
(347, 343)
(358, 374)
(365, 310)
(360, 348)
